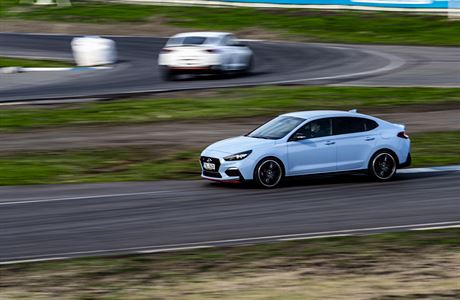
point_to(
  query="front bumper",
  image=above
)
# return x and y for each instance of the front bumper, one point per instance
(225, 171)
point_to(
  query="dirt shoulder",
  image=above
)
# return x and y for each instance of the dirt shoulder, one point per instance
(187, 135)
(154, 27)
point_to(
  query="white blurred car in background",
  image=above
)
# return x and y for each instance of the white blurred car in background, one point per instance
(204, 53)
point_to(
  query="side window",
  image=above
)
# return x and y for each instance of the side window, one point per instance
(317, 128)
(344, 125)
(370, 124)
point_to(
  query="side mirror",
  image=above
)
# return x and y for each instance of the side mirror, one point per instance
(298, 137)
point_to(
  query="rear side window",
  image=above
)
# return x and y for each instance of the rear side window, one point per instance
(344, 125)
(370, 124)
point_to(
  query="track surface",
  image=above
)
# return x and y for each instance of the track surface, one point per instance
(275, 63)
(40, 222)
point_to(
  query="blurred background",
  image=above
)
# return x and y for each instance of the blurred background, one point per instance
(100, 196)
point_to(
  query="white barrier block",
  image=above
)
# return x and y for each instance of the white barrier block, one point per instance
(454, 9)
(93, 51)
(44, 2)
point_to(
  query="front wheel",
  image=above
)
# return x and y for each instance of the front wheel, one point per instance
(382, 166)
(269, 173)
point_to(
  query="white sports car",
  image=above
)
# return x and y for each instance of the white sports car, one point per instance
(204, 52)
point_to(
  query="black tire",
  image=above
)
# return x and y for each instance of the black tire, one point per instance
(167, 74)
(383, 165)
(269, 173)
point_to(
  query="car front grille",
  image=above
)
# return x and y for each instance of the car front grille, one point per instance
(211, 173)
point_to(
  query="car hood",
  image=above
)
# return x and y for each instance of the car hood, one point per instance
(239, 144)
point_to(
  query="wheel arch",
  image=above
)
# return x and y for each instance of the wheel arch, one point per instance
(385, 149)
(271, 157)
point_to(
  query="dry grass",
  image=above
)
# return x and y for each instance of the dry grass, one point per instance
(422, 265)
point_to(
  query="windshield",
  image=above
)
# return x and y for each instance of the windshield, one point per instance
(191, 40)
(276, 128)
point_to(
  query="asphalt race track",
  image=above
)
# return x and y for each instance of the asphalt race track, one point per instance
(275, 62)
(61, 221)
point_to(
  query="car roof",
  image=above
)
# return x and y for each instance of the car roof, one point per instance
(324, 113)
(202, 34)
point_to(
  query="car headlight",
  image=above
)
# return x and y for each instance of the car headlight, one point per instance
(238, 156)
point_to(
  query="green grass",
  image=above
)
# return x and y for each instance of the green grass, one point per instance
(225, 103)
(131, 164)
(102, 165)
(22, 62)
(301, 24)
(424, 261)
(434, 149)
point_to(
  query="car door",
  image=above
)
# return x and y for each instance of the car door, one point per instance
(315, 152)
(354, 141)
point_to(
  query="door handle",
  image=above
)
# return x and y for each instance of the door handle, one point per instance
(329, 143)
(370, 138)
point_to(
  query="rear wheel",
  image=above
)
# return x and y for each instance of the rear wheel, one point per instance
(167, 74)
(269, 173)
(382, 166)
(249, 66)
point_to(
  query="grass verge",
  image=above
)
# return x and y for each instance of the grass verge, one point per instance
(402, 265)
(133, 164)
(303, 24)
(22, 62)
(224, 103)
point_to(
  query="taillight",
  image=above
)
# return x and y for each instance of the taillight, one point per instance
(166, 50)
(403, 135)
(212, 50)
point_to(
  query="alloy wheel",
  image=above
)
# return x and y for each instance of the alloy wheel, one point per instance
(269, 173)
(384, 166)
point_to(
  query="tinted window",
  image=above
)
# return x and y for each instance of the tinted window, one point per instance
(276, 128)
(370, 124)
(344, 125)
(317, 128)
(191, 40)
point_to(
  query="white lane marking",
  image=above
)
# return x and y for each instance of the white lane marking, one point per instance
(436, 227)
(219, 243)
(172, 249)
(27, 201)
(56, 69)
(395, 63)
(313, 237)
(66, 69)
(430, 170)
(23, 261)
(45, 69)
